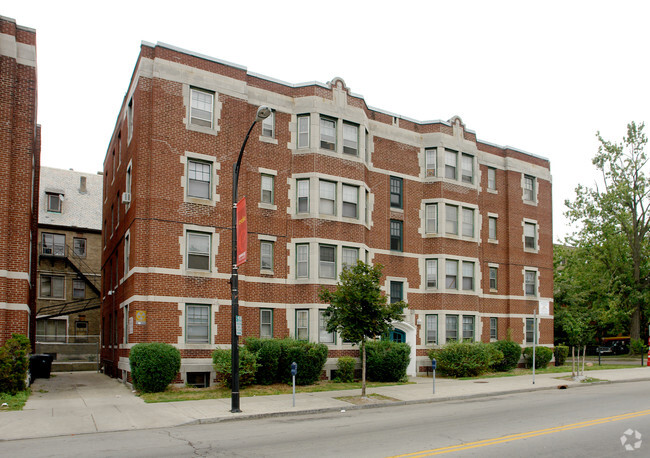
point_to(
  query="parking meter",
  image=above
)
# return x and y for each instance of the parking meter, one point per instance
(294, 368)
(434, 364)
(294, 371)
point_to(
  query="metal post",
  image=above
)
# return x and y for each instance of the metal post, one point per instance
(294, 390)
(434, 381)
(534, 340)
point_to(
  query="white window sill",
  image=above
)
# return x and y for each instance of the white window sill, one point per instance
(266, 272)
(271, 140)
(492, 191)
(495, 241)
(267, 206)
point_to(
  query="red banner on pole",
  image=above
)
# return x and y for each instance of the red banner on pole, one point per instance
(242, 232)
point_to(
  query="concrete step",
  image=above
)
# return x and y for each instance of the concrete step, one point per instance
(73, 366)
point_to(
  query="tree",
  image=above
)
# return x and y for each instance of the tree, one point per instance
(614, 224)
(358, 310)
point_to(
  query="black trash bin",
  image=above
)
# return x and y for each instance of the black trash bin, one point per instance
(40, 366)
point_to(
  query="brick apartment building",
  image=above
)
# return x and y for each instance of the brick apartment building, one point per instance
(20, 145)
(462, 226)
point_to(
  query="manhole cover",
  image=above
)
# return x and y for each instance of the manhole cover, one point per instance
(480, 381)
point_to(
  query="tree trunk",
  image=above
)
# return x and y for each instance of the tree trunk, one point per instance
(363, 368)
(635, 323)
(584, 357)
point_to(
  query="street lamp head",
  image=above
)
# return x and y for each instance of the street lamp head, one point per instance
(263, 112)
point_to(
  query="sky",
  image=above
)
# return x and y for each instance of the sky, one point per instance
(542, 77)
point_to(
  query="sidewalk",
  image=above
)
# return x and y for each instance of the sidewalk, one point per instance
(89, 402)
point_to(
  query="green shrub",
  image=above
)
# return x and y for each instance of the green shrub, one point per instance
(511, 355)
(637, 347)
(543, 356)
(464, 359)
(14, 362)
(387, 361)
(561, 352)
(309, 356)
(154, 366)
(345, 372)
(268, 353)
(222, 361)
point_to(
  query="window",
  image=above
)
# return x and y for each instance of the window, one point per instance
(323, 335)
(197, 324)
(396, 291)
(467, 169)
(492, 178)
(327, 198)
(468, 222)
(529, 236)
(197, 379)
(303, 131)
(396, 192)
(430, 161)
(529, 188)
(268, 126)
(302, 324)
(530, 330)
(303, 196)
(266, 323)
(350, 139)
(198, 251)
(350, 256)
(52, 330)
(350, 201)
(327, 261)
(79, 247)
(431, 219)
(127, 253)
(328, 134)
(128, 182)
(112, 220)
(468, 276)
(451, 220)
(267, 189)
(198, 177)
(451, 328)
(431, 329)
(451, 274)
(78, 289)
(266, 255)
(201, 108)
(451, 163)
(493, 278)
(53, 244)
(432, 273)
(302, 261)
(395, 235)
(52, 286)
(129, 121)
(492, 228)
(531, 282)
(468, 328)
(119, 147)
(54, 202)
(494, 334)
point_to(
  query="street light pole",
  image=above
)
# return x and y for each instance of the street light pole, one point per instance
(263, 112)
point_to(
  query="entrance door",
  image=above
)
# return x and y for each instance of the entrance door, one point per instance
(397, 335)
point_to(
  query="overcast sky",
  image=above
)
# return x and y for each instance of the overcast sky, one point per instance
(542, 77)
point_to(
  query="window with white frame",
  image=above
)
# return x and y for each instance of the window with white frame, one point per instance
(302, 260)
(529, 188)
(396, 291)
(493, 278)
(350, 139)
(350, 257)
(125, 323)
(302, 324)
(530, 282)
(467, 168)
(302, 192)
(198, 179)
(396, 234)
(266, 255)
(350, 201)
(198, 251)
(451, 274)
(468, 276)
(266, 323)
(323, 335)
(492, 228)
(328, 133)
(327, 197)
(431, 161)
(267, 189)
(432, 273)
(451, 328)
(268, 126)
(396, 200)
(53, 244)
(201, 107)
(78, 289)
(197, 323)
(451, 164)
(129, 121)
(127, 187)
(492, 178)
(530, 230)
(303, 131)
(530, 330)
(52, 286)
(468, 222)
(431, 218)
(327, 261)
(54, 202)
(451, 220)
(494, 334)
(79, 246)
(468, 328)
(127, 253)
(432, 329)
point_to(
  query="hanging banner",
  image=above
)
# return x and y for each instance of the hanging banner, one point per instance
(242, 232)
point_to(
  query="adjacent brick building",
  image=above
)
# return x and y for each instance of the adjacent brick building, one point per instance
(462, 226)
(20, 145)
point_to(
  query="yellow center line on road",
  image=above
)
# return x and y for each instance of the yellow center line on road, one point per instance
(526, 435)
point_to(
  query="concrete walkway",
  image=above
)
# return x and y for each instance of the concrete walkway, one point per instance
(88, 402)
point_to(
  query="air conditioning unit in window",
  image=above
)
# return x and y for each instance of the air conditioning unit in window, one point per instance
(126, 197)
